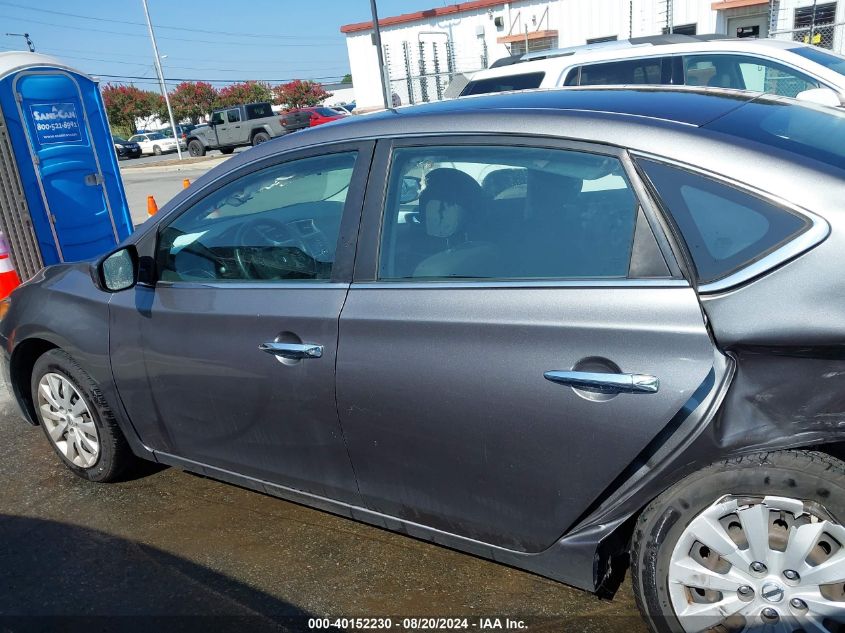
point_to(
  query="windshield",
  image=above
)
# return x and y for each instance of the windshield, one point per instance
(325, 111)
(829, 60)
(815, 132)
(118, 139)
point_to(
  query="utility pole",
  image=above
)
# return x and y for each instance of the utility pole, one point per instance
(161, 78)
(26, 37)
(385, 85)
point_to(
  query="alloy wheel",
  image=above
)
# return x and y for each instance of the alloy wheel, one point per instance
(68, 420)
(770, 563)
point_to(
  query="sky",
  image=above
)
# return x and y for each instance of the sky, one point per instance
(220, 40)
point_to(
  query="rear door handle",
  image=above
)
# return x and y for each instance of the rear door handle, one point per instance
(607, 383)
(292, 351)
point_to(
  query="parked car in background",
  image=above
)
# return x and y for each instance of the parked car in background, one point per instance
(764, 65)
(568, 330)
(340, 110)
(181, 130)
(125, 149)
(349, 107)
(300, 118)
(236, 126)
(155, 143)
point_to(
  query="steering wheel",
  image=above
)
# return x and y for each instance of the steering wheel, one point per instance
(274, 246)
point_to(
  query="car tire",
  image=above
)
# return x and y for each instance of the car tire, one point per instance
(58, 386)
(259, 138)
(156, 150)
(196, 149)
(227, 150)
(779, 497)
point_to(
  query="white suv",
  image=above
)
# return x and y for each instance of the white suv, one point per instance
(772, 66)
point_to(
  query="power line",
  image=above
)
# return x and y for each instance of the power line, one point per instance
(175, 79)
(159, 26)
(166, 37)
(221, 70)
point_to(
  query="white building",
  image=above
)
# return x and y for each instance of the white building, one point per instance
(425, 50)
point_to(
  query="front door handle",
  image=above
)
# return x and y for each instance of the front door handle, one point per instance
(607, 383)
(292, 351)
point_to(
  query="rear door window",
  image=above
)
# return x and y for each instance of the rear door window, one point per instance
(629, 71)
(725, 229)
(500, 212)
(525, 81)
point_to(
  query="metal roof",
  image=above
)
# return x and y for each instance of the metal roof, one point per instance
(13, 61)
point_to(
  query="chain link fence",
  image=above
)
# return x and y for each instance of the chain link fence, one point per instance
(421, 71)
(819, 24)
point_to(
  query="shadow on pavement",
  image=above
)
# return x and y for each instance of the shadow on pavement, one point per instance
(57, 576)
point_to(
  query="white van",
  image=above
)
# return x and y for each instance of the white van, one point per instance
(773, 66)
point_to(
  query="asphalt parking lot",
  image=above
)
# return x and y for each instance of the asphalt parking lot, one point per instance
(170, 550)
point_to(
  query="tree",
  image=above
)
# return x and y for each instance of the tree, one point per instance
(126, 104)
(299, 94)
(347, 79)
(246, 92)
(192, 100)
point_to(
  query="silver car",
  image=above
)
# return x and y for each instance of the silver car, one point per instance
(568, 331)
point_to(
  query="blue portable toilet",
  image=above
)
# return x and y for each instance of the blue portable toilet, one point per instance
(61, 196)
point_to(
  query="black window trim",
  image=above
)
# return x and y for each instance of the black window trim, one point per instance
(367, 257)
(815, 232)
(350, 220)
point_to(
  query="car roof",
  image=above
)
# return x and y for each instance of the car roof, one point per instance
(688, 106)
(630, 49)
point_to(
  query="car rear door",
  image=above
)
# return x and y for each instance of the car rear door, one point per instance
(499, 368)
(228, 359)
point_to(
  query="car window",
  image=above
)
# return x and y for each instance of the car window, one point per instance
(743, 72)
(630, 71)
(277, 224)
(524, 81)
(217, 118)
(258, 110)
(506, 213)
(233, 116)
(154, 137)
(135, 138)
(725, 229)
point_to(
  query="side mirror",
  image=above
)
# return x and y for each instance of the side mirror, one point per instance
(116, 271)
(821, 96)
(410, 190)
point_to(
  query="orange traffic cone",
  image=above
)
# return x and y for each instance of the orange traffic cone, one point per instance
(9, 279)
(152, 207)
(186, 183)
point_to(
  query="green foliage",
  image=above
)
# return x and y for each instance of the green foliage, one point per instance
(299, 94)
(347, 79)
(245, 92)
(126, 104)
(192, 100)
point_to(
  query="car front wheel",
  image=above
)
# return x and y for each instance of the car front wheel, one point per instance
(754, 543)
(77, 420)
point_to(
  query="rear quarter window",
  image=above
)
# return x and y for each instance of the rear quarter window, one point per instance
(725, 229)
(526, 81)
(258, 110)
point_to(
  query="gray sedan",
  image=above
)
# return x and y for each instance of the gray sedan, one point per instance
(567, 331)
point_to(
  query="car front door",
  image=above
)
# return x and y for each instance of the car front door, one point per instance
(513, 340)
(230, 132)
(228, 358)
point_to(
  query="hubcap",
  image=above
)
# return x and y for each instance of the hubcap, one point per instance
(746, 563)
(67, 419)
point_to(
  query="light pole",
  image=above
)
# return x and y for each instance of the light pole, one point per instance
(26, 37)
(385, 85)
(161, 78)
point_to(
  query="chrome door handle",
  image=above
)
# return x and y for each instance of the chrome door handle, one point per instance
(608, 383)
(292, 351)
